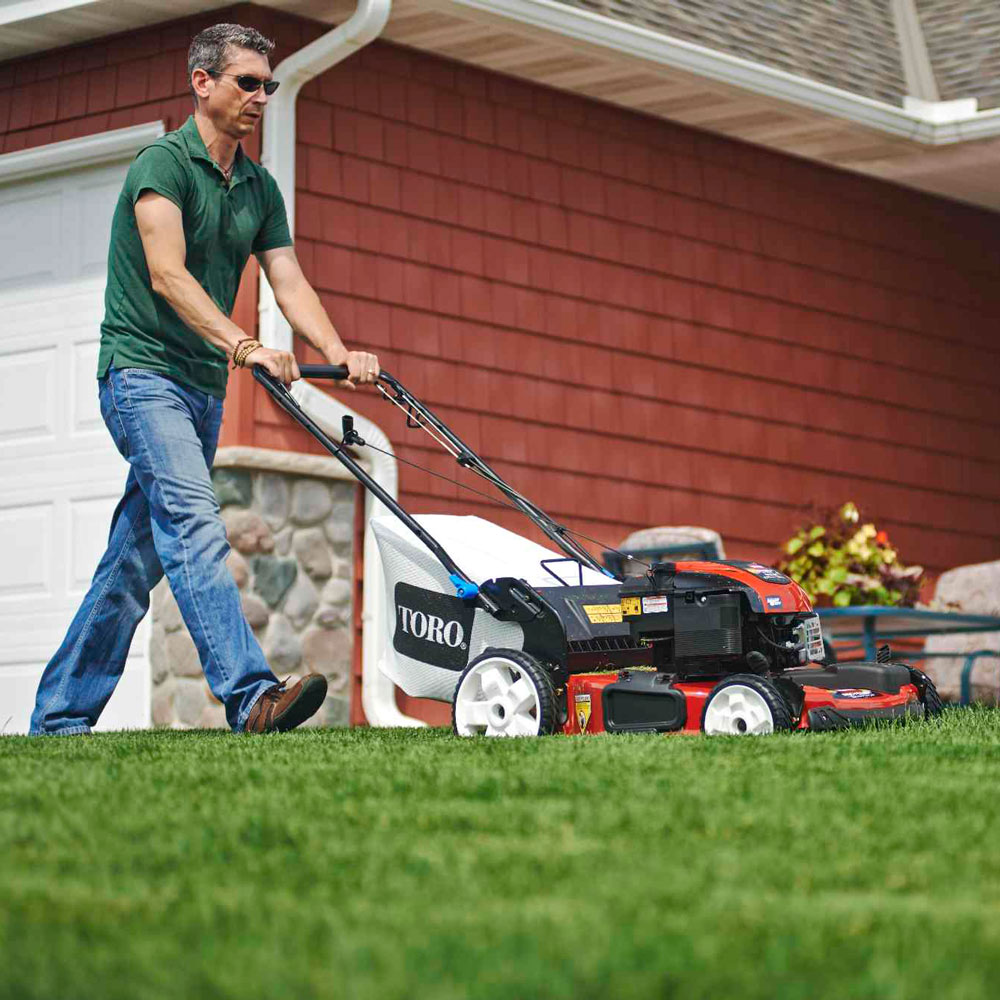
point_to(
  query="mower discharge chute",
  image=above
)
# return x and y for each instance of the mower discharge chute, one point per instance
(524, 641)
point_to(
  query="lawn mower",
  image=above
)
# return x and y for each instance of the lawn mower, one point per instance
(526, 641)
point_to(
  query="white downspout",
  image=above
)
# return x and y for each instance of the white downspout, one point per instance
(378, 693)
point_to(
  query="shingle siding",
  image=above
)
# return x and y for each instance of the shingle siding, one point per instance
(963, 41)
(637, 322)
(850, 45)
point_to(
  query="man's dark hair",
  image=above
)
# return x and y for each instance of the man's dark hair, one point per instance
(211, 49)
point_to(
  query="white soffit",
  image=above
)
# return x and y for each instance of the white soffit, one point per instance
(38, 25)
(12, 11)
(574, 50)
(926, 144)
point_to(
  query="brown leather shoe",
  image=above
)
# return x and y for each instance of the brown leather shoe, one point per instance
(278, 709)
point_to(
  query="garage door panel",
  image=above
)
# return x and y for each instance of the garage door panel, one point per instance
(25, 541)
(30, 224)
(71, 302)
(35, 476)
(34, 640)
(120, 712)
(96, 203)
(89, 521)
(27, 396)
(85, 410)
(19, 682)
(60, 474)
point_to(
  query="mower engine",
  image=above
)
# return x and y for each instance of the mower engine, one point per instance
(717, 618)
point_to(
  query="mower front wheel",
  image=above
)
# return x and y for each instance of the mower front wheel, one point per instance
(744, 705)
(504, 692)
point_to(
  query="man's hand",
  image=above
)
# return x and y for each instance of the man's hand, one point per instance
(361, 366)
(305, 313)
(281, 364)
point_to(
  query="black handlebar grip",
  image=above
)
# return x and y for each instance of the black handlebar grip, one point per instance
(338, 372)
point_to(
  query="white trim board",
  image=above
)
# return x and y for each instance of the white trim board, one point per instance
(87, 151)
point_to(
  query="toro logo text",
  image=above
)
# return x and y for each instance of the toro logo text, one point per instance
(432, 627)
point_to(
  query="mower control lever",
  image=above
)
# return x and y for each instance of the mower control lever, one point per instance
(350, 435)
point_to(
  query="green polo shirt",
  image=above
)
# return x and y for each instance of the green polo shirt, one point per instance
(224, 222)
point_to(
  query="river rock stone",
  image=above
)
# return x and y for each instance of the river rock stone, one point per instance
(182, 655)
(339, 530)
(163, 702)
(213, 716)
(332, 616)
(159, 663)
(282, 648)
(158, 595)
(311, 501)
(189, 700)
(338, 592)
(328, 651)
(283, 542)
(975, 590)
(301, 601)
(247, 531)
(255, 610)
(238, 568)
(343, 505)
(232, 486)
(168, 614)
(272, 577)
(670, 535)
(271, 495)
(309, 546)
(336, 711)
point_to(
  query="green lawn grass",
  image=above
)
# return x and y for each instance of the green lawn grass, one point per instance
(406, 864)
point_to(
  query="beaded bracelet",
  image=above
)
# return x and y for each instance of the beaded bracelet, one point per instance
(243, 350)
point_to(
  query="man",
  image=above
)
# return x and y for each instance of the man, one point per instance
(192, 209)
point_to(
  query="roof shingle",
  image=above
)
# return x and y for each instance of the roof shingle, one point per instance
(850, 45)
(963, 41)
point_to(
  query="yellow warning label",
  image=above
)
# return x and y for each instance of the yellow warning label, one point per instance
(603, 614)
(631, 606)
(581, 703)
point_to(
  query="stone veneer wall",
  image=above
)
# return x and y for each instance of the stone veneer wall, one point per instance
(292, 539)
(974, 590)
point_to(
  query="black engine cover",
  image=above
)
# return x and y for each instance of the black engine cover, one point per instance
(709, 626)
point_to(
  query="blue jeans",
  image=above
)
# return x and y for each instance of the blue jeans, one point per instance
(167, 522)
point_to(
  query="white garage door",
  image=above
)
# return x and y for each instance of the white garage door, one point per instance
(60, 475)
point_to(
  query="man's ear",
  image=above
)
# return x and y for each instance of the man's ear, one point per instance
(200, 82)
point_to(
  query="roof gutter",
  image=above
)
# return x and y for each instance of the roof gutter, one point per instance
(378, 693)
(931, 123)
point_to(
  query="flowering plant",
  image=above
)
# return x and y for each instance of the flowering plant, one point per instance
(841, 561)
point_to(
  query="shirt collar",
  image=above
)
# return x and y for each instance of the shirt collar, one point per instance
(196, 148)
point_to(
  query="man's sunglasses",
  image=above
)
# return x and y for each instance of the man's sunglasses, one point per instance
(251, 84)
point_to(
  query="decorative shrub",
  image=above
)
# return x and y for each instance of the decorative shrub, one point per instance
(840, 561)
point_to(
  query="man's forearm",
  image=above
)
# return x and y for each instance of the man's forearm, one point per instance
(306, 316)
(197, 310)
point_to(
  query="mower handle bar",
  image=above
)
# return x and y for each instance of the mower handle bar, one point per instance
(466, 457)
(338, 372)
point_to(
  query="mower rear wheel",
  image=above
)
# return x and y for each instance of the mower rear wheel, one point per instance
(933, 705)
(504, 692)
(744, 705)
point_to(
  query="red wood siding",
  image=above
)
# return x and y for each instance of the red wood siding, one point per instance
(638, 323)
(132, 79)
